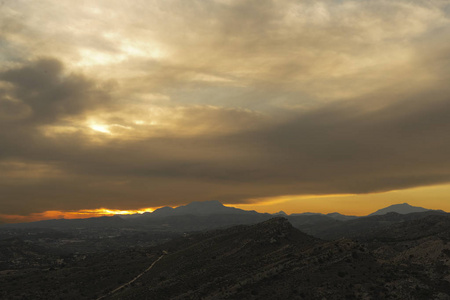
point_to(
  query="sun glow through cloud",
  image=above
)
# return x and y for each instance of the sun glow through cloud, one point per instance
(247, 101)
(100, 128)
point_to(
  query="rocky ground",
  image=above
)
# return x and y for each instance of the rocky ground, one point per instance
(269, 260)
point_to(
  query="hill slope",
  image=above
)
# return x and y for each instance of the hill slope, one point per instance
(269, 260)
(273, 260)
(403, 209)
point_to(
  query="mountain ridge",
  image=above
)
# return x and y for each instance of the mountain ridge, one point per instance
(268, 260)
(209, 215)
(403, 208)
(199, 208)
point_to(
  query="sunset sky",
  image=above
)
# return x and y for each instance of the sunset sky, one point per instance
(268, 105)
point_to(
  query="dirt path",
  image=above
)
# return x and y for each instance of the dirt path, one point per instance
(132, 280)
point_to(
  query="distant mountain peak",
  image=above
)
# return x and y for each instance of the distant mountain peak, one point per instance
(401, 208)
(162, 211)
(334, 214)
(199, 208)
(280, 213)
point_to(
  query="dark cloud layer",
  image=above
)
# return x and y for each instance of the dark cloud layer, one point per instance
(343, 147)
(46, 93)
(163, 102)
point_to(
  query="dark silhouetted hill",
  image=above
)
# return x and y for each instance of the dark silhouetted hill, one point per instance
(436, 225)
(268, 260)
(403, 209)
(363, 226)
(209, 215)
(273, 260)
(198, 209)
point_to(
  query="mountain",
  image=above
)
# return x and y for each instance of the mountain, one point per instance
(341, 217)
(273, 260)
(196, 216)
(268, 260)
(403, 209)
(160, 212)
(360, 227)
(192, 217)
(209, 215)
(198, 209)
(280, 213)
(334, 215)
(432, 225)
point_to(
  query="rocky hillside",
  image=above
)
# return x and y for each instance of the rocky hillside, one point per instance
(268, 260)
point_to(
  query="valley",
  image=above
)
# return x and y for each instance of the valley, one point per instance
(312, 256)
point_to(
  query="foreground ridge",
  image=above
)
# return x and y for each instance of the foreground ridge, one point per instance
(268, 260)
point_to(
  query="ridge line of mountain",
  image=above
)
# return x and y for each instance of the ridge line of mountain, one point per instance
(224, 215)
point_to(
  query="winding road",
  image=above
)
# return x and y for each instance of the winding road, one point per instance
(134, 279)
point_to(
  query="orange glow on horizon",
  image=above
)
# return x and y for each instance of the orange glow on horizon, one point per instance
(430, 197)
(79, 214)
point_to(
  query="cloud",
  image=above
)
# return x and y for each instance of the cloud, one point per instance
(48, 93)
(162, 102)
(342, 147)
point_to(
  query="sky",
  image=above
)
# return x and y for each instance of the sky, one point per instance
(120, 106)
